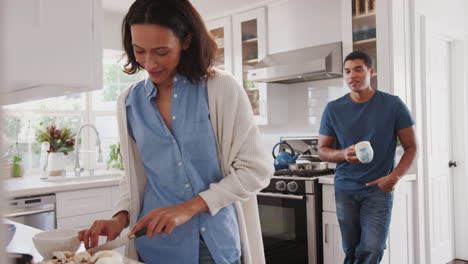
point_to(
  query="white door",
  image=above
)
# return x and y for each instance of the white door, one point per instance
(438, 151)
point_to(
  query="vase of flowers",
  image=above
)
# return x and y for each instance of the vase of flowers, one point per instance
(61, 142)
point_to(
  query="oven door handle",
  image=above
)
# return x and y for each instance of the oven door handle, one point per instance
(30, 212)
(283, 196)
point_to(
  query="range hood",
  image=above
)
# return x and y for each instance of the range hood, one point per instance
(301, 65)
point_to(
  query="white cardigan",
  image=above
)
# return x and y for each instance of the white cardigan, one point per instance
(247, 167)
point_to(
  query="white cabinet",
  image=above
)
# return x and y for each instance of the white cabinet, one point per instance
(249, 29)
(400, 243)
(51, 48)
(242, 44)
(79, 209)
(401, 235)
(381, 29)
(221, 29)
(332, 250)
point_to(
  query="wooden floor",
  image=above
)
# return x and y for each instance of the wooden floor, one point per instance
(458, 262)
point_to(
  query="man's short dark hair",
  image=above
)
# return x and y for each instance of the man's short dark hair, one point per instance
(359, 55)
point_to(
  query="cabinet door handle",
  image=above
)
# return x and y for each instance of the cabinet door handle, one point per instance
(452, 164)
(326, 233)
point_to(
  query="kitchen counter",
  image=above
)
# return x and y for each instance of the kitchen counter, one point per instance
(22, 241)
(331, 179)
(32, 184)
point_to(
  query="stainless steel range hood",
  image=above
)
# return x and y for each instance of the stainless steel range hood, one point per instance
(302, 65)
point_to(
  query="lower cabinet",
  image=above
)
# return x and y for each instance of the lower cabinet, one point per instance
(80, 208)
(400, 243)
(332, 250)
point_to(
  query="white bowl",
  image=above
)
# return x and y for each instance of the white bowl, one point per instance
(56, 240)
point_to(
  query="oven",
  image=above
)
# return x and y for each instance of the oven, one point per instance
(290, 221)
(290, 207)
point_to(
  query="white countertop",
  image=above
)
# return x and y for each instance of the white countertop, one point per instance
(22, 241)
(33, 185)
(331, 179)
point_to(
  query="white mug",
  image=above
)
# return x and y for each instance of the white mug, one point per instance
(364, 151)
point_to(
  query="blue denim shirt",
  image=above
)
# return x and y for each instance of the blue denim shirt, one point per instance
(180, 165)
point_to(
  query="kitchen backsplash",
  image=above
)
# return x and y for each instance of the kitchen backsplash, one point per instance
(304, 104)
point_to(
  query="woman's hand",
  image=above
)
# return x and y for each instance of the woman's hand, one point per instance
(350, 155)
(163, 220)
(110, 228)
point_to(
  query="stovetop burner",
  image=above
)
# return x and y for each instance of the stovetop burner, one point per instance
(304, 173)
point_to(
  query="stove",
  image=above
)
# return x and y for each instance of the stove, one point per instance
(290, 211)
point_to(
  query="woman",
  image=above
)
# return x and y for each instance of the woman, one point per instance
(192, 153)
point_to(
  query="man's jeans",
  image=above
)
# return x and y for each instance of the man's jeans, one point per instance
(364, 221)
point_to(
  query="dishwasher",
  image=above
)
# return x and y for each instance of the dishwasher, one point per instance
(35, 211)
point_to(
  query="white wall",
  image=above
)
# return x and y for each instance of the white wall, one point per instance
(460, 182)
(449, 15)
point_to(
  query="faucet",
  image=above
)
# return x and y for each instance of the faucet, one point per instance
(78, 169)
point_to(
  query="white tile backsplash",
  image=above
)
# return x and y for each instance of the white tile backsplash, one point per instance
(302, 105)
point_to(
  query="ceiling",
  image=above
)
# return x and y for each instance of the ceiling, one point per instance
(207, 8)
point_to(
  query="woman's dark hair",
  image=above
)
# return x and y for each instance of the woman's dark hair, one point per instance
(182, 18)
(359, 55)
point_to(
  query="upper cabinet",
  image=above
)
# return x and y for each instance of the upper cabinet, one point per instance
(381, 29)
(51, 48)
(365, 31)
(221, 29)
(240, 50)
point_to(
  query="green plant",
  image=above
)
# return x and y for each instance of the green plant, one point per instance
(115, 158)
(60, 140)
(16, 165)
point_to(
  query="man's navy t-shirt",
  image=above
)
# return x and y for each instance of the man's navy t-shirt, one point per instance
(377, 121)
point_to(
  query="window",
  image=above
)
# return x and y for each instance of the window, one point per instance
(20, 121)
(103, 102)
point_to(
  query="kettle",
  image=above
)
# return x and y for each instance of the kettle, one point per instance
(283, 158)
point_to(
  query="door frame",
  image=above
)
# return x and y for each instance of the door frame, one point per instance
(459, 122)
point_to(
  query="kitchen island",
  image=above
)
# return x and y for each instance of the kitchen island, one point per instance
(22, 240)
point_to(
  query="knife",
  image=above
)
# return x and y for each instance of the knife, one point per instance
(121, 241)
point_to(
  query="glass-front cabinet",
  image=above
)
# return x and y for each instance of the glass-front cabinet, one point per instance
(364, 31)
(221, 31)
(240, 50)
(249, 30)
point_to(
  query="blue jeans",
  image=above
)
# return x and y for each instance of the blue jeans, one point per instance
(205, 256)
(364, 221)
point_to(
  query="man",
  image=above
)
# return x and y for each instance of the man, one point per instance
(363, 192)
